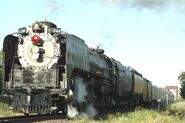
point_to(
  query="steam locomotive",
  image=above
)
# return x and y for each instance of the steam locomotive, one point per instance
(46, 70)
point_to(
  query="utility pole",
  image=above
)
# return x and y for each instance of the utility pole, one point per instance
(173, 88)
(167, 100)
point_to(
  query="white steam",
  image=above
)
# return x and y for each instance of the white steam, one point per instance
(80, 90)
(79, 96)
(99, 44)
(91, 111)
(113, 2)
(178, 5)
(72, 111)
(52, 7)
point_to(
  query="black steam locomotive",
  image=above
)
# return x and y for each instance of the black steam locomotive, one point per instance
(47, 70)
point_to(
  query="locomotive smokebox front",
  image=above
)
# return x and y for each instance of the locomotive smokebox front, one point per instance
(33, 65)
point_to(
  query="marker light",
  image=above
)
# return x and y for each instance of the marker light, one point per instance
(54, 30)
(22, 30)
(35, 39)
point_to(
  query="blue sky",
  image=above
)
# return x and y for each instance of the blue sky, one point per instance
(147, 35)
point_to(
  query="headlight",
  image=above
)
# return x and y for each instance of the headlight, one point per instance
(22, 30)
(54, 30)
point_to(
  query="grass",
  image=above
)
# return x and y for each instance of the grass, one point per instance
(174, 114)
(178, 109)
(5, 112)
(139, 116)
(145, 116)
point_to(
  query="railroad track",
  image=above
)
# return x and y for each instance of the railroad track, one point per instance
(103, 114)
(40, 118)
(31, 118)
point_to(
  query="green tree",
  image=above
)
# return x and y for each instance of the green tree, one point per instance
(182, 82)
(1, 70)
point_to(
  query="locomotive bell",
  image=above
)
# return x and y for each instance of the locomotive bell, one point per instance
(36, 27)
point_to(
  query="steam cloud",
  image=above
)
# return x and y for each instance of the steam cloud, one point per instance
(178, 5)
(80, 94)
(72, 111)
(142, 3)
(52, 7)
(80, 91)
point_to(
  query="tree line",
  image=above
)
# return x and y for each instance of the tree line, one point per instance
(181, 78)
(1, 70)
